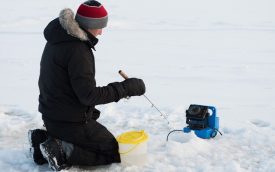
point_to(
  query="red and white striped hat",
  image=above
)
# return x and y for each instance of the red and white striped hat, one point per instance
(92, 15)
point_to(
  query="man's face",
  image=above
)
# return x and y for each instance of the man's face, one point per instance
(95, 32)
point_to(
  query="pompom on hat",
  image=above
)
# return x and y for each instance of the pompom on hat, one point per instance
(92, 15)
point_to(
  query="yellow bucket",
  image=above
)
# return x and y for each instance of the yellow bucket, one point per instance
(133, 147)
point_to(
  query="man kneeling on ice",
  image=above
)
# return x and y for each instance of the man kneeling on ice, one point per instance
(68, 93)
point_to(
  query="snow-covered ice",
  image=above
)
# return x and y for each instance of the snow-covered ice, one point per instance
(211, 52)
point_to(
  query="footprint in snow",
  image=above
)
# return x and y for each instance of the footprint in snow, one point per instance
(260, 123)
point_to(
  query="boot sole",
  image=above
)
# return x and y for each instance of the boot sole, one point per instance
(52, 161)
(32, 150)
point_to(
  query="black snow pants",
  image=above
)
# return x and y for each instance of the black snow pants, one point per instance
(93, 143)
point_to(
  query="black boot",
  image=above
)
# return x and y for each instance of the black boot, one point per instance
(36, 137)
(53, 152)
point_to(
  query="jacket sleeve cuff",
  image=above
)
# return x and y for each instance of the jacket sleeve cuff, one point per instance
(120, 92)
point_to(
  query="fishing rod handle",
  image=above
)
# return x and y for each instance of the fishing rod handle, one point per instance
(125, 77)
(123, 74)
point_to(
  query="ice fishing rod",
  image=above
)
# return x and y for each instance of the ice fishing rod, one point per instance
(199, 120)
(164, 116)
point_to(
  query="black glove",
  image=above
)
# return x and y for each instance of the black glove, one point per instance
(129, 87)
(134, 87)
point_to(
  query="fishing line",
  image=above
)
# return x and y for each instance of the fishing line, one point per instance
(152, 104)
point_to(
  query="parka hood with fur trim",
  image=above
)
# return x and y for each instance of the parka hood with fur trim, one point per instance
(66, 29)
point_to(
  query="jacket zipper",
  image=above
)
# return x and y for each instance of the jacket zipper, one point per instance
(86, 116)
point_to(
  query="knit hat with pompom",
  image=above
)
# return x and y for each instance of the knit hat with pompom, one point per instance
(92, 15)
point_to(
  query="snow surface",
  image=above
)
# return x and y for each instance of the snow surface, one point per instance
(213, 52)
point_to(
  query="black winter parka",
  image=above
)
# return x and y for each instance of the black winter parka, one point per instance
(68, 91)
